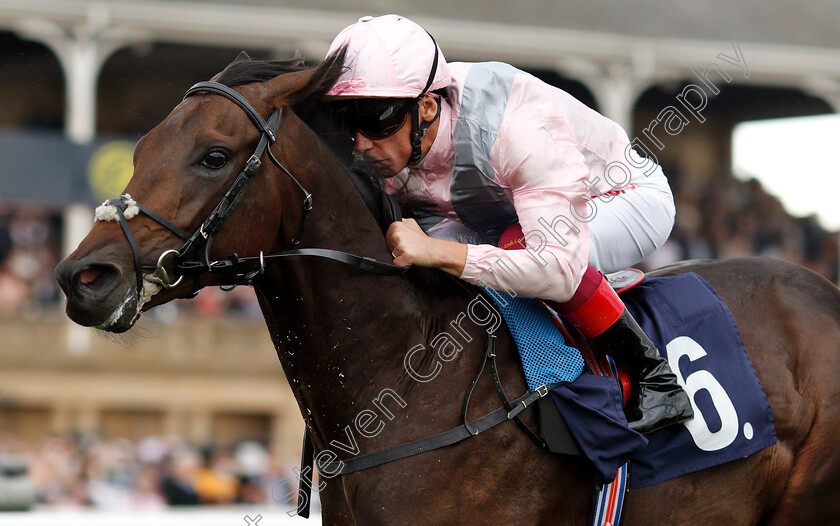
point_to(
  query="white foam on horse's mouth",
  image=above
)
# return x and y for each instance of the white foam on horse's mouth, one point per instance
(149, 290)
(118, 312)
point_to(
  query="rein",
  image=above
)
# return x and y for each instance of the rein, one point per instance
(230, 268)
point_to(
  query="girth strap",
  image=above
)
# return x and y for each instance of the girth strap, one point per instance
(497, 382)
(447, 438)
(509, 411)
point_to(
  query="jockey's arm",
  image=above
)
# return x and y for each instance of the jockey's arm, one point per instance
(543, 186)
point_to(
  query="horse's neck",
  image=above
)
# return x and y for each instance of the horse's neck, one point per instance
(341, 333)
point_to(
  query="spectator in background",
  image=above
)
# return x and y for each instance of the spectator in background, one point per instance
(216, 481)
(145, 494)
(179, 484)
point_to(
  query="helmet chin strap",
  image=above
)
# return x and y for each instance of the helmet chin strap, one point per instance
(418, 130)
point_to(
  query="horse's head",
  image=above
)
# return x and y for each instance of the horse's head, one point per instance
(185, 171)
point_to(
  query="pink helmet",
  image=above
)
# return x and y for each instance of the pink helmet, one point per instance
(388, 56)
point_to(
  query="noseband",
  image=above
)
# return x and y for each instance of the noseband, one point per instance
(229, 269)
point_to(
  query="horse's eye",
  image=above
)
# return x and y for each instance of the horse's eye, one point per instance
(214, 160)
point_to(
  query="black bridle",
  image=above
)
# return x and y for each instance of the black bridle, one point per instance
(229, 269)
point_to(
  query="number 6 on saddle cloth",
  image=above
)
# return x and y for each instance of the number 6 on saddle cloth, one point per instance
(694, 330)
(584, 414)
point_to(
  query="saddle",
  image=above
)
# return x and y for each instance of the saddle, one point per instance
(590, 390)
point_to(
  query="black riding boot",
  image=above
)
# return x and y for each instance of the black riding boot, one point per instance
(657, 400)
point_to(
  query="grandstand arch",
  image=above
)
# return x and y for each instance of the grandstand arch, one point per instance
(32, 85)
(139, 85)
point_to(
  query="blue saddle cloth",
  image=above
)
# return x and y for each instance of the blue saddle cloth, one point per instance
(694, 330)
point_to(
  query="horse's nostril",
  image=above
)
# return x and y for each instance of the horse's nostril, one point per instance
(99, 277)
(89, 275)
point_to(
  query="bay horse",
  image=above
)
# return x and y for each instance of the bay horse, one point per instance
(343, 334)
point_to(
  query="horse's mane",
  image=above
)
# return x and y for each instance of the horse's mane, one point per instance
(244, 70)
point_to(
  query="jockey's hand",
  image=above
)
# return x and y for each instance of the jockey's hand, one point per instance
(411, 246)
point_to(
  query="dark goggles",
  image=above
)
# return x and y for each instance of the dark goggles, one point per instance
(375, 118)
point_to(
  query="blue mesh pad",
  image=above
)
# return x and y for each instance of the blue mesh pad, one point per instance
(546, 357)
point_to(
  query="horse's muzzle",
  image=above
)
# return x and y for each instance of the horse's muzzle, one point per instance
(91, 288)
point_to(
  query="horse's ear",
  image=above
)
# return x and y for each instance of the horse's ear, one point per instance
(241, 57)
(290, 88)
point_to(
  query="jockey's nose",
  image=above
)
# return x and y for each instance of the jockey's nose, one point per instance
(361, 143)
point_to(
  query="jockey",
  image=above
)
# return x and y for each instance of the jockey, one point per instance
(477, 151)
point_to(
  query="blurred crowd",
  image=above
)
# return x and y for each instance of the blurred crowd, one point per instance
(722, 218)
(30, 245)
(718, 217)
(76, 471)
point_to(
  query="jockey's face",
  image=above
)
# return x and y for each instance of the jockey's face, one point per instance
(391, 153)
